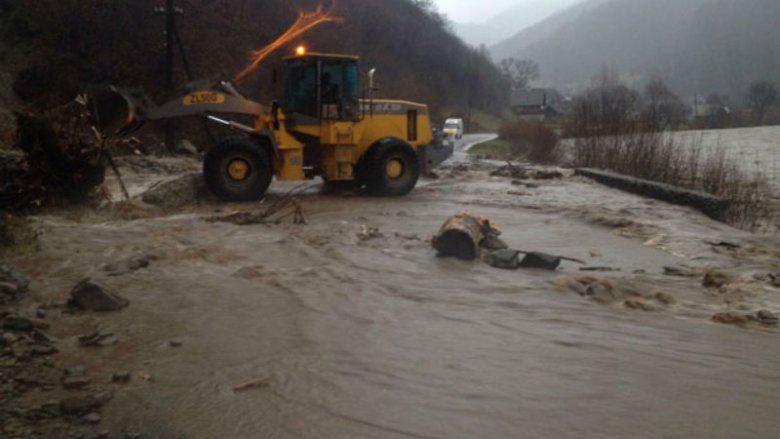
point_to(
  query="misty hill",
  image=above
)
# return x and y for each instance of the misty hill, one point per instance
(59, 46)
(509, 22)
(698, 46)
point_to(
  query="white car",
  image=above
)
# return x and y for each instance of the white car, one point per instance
(454, 128)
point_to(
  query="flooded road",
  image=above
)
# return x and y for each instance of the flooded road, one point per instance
(379, 338)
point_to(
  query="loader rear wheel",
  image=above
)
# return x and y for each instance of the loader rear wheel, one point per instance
(238, 169)
(391, 169)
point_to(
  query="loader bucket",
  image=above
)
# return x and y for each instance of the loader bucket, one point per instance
(114, 112)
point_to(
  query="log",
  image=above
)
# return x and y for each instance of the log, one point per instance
(461, 235)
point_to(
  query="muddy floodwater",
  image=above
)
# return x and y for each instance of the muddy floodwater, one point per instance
(309, 331)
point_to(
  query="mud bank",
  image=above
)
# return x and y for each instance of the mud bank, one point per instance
(350, 326)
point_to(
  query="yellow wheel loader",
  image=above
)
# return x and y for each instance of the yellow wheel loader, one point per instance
(321, 127)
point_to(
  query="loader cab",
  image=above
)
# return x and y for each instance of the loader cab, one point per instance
(321, 87)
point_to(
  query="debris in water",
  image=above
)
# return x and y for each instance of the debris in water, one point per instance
(461, 235)
(256, 384)
(714, 279)
(601, 269)
(368, 233)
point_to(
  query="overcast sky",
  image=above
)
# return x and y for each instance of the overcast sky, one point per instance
(476, 11)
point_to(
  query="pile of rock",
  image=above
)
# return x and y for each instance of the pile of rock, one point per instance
(12, 284)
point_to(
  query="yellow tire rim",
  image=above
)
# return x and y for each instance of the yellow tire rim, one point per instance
(394, 168)
(238, 169)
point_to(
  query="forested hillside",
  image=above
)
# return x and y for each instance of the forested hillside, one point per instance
(698, 46)
(56, 47)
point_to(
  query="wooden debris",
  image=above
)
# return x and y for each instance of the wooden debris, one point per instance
(461, 235)
(255, 384)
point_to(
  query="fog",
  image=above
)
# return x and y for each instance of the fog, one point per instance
(480, 11)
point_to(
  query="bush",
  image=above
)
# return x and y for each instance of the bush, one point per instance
(532, 140)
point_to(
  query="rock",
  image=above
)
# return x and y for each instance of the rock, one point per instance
(75, 371)
(491, 242)
(97, 338)
(639, 304)
(50, 408)
(176, 343)
(76, 405)
(8, 289)
(664, 298)
(541, 261)
(767, 318)
(76, 382)
(184, 191)
(503, 259)
(714, 279)
(40, 313)
(9, 275)
(18, 323)
(121, 377)
(40, 350)
(680, 271)
(129, 265)
(730, 318)
(92, 418)
(7, 339)
(775, 279)
(90, 296)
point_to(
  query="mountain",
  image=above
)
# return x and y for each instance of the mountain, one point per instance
(509, 22)
(697, 46)
(57, 47)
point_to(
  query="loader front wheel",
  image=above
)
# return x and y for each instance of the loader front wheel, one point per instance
(238, 169)
(392, 169)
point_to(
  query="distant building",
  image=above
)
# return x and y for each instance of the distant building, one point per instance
(536, 104)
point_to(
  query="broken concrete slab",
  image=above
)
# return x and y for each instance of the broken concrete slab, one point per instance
(91, 296)
(504, 259)
(541, 260)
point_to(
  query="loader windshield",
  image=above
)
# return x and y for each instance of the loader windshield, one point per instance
(323, 88)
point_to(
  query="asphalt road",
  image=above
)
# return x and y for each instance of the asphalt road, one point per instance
(463, 145)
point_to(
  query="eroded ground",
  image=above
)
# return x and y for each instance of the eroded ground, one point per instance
(320, 330)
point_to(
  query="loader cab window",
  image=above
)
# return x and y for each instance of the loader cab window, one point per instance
(322, 88)
(301, 88)
(339, 89)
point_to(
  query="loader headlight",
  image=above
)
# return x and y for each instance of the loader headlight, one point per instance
(300, 50)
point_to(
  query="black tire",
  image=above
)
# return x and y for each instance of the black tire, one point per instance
(375, 168)
(224, 163)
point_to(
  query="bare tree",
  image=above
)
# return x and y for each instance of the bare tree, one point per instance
(761, 95)
(520, 72)
(662, 107)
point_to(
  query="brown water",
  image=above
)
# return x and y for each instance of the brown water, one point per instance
(381, 339)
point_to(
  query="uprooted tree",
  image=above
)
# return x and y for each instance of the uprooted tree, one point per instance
(59, 160)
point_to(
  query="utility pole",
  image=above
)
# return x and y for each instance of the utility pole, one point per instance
(171, 40)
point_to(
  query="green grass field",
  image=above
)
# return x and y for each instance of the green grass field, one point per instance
(498, 149)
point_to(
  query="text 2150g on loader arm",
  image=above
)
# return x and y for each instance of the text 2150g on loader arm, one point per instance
(321, 128)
